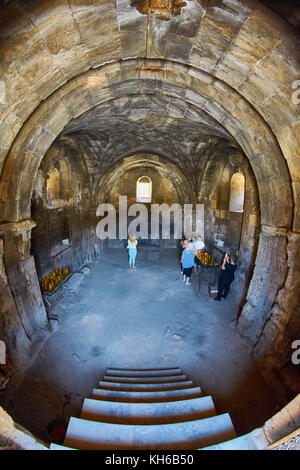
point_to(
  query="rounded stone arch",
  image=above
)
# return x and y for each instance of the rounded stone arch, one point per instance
(223, 190)
(53, 184)
(71, 172)
(58, 180)
(261, 75)
(237, 192)
(233, 166)
(202, 90)
(140, 197)
(65, 178)
(168, 169)
(246, 126)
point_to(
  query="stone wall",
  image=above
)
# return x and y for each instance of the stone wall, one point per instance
(163, 192)
(109, 83)
(65, 231)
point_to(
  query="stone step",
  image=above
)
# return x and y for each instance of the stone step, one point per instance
(60, 447)
(148, 413)
(145, 379)
(139, 387)
(255, 440)
(143, 372)
(92, 435)
(146, 396)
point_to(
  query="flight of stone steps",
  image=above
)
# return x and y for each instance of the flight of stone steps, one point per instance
(147, 409)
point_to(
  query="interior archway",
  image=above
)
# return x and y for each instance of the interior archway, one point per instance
(193, 95)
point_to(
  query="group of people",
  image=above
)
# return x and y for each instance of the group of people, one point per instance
(189, 261)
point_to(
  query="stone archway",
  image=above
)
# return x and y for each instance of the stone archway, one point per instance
(234, 64)
(144, 161)
(256, 140)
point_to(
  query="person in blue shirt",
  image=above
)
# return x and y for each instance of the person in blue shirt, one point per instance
(132, 251)
(187, 261)
(183, 245)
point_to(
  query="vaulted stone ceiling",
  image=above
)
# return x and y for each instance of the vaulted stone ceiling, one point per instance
(185, 82)
(233, 59)
(172, 128)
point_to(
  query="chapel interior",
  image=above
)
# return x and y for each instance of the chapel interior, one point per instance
(164, 102)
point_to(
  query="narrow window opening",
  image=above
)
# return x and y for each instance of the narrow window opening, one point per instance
(237, 193)
(144, 189)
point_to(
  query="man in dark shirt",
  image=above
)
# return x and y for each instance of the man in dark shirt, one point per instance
(228, 268)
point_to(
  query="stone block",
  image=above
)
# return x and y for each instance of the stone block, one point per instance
(41, 11)
(53, 324)
(129, 19)
(60, 33)
(3, 154)
(227, 18)
(77, 5)
(97, 21)
(208, 47)
(108, 51)
(38, 69)
(162, 42)
(6, 427)
(77, 102)
(284, 422)
(288, 139)
(9, 127)
(85, 271)
(133, 45)
(74, 283)
(296, 194)
(54, 122)
(73, 62)
(232, 70)
(15, 31)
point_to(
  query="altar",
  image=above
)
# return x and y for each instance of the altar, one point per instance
(208, 269)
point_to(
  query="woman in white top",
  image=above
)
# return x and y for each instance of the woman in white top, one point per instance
(131, 246)
(199, 246)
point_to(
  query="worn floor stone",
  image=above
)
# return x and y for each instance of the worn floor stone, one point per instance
(141, 318)
(94, 94)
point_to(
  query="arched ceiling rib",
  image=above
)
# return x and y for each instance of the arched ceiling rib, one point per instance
(79, 96)
(246, 50)
(153, 123)
(242, 42)
(236, 60)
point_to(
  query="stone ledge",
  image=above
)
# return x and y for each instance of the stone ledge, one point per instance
(14, 437)
(19, 226)
(284, 422)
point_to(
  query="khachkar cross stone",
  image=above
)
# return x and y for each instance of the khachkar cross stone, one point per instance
(163, 9)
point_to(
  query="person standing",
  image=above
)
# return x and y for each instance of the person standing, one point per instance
(183, 245)
(199, 246)
(228, 268)
(187, 261)
(132, 250)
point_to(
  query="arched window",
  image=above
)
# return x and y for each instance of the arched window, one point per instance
(58, 183)
(53, 185)
(237, 193)
(64, 175)
(144, 189)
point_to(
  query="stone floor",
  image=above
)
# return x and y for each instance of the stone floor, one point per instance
(145, 317)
